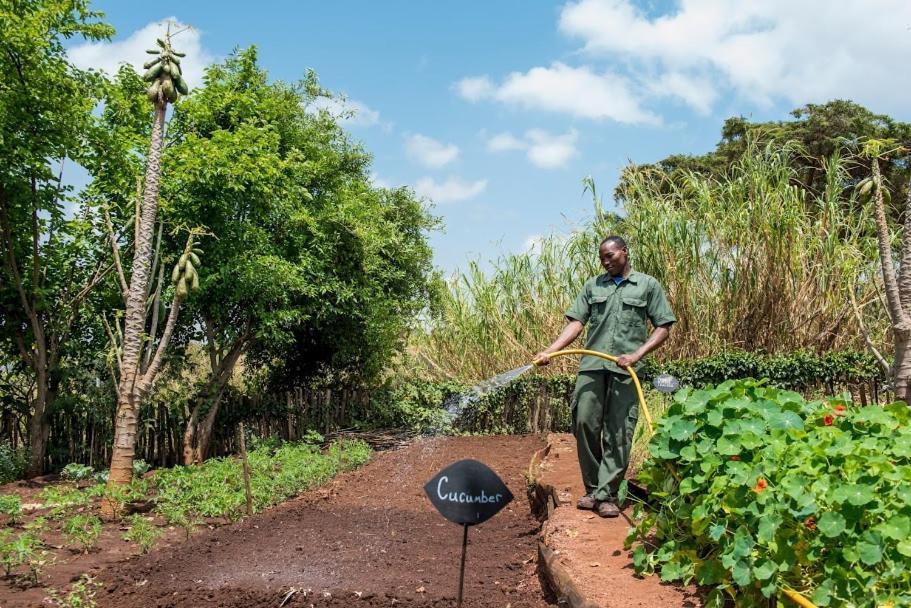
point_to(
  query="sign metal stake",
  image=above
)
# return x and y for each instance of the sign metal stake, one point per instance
(462, 568)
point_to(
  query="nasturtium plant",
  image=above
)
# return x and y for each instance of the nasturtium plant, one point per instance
(756, 490)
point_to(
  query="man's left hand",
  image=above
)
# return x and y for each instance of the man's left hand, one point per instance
(628, 360)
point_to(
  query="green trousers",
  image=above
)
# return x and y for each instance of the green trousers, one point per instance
(605, 412)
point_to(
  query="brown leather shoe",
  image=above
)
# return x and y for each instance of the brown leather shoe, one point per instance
(608, 509)
(587, 503)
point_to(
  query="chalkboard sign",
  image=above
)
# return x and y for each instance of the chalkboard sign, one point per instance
(467, 492)
(666, 383)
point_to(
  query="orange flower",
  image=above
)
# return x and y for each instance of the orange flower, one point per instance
(840, 410)
(760, 485)
(828, 420)
(810, 523)
(734, 457)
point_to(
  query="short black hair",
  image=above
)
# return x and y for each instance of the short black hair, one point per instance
(616, 240)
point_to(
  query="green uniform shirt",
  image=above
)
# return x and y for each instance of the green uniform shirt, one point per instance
(616, 316)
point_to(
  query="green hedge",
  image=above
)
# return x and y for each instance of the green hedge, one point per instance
(535, 402)
(800, 371)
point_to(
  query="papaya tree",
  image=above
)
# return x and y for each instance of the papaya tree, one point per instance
(51, 256)
(165, 84)
(896, 283)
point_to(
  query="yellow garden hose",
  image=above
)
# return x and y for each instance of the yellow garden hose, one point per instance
(794, 596)
(613, 359)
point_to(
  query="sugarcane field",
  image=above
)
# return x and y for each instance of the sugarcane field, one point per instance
(585, 304)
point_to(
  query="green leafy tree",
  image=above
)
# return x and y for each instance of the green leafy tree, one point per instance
(820, 130)
(307, 259)
(50, 258)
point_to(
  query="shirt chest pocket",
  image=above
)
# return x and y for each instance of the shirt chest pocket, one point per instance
(597, 305)
(634, 311)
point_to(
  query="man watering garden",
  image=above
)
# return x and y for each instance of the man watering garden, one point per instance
(615, 306)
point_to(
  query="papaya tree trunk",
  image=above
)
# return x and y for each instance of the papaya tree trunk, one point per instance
(131, 386)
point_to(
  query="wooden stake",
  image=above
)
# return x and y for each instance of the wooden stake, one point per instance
(243, 458)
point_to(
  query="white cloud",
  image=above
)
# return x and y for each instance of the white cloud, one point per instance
(475, 88)
(452, 190)
(545, 150)
(108, 56)
(801, 52)
(503, 142)
(551, 151)
(430, 152)
(579, 92)
(696, 91)
(347, 111)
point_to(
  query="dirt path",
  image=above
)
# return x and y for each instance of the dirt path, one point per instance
(369, 538)
(589, 549)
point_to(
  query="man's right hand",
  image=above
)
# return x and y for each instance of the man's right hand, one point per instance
(541, 358)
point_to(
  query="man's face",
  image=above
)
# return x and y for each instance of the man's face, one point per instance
(613, 258)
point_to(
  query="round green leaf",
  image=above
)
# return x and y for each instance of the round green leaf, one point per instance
(870, 552)
(831, 524)
(786, 420)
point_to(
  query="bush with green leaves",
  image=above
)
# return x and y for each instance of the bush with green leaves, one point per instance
(11, 506)
(83, 530)
(76, 472)
(415, 404)
(141, 532)
(755, 490)
(140, 467)
(12, 462)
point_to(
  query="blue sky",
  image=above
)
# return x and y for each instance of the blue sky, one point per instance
(495, 111)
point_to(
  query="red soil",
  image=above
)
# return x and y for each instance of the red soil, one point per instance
(369, 538)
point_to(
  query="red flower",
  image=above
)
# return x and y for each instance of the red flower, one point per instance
(735, 457)
(828, 420)
(810, 523)
(760, 485)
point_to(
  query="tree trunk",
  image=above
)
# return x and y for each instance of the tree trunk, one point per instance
(132, 388)
(901, 368)
(198, 434)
